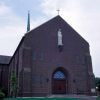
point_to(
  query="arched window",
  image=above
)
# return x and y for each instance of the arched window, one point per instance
(59, 75)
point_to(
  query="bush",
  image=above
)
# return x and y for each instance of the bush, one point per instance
(2, 94)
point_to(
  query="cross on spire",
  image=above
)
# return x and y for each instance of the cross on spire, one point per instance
(58, 11)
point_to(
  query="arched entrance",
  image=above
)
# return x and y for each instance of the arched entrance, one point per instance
(59, 82)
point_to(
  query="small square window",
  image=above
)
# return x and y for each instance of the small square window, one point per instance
(34, 55)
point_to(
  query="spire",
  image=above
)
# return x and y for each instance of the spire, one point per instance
(28, 22)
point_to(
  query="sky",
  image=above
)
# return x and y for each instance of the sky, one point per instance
(82, 15)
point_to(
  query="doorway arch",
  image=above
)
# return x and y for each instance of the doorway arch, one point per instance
(59, 81)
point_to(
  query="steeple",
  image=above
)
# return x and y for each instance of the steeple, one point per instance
(28, 22)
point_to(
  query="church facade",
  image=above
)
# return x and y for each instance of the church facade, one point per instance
(52, 59)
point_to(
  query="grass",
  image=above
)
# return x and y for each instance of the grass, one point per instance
(41, 99)
(98, 98)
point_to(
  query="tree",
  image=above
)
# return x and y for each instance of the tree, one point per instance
(97, 81)
(13, 84)
(2, 95)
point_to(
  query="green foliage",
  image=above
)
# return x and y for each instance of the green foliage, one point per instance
(13, 83)
(1, 94)
(42, 99)
(98, 98)
(97, 81)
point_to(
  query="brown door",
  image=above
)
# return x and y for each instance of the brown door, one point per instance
(59, 87)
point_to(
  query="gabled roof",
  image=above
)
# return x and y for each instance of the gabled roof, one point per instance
(4, 59)
(58, 19)
(17, 48)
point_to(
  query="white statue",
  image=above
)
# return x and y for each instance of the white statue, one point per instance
(60, 38)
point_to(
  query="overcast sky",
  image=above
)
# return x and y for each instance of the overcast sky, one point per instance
(82, 15)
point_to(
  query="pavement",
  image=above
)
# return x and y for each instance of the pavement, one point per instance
(81, 97)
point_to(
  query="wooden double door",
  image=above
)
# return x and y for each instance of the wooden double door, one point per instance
(59, 86)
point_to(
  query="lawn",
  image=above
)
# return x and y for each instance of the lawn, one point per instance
(98, 98)
(41, 99)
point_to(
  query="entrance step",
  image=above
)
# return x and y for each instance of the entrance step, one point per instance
(82, 97)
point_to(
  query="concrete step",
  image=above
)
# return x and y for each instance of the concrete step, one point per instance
(82, 97)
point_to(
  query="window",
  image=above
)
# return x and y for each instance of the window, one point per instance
(59, 75)
(34, 55)
(41, 56)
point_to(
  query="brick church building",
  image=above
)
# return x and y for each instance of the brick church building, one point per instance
(52, 59)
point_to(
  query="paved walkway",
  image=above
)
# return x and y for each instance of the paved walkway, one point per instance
(83, 97)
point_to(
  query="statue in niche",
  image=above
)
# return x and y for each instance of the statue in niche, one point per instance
(59, 37)
(60, 44)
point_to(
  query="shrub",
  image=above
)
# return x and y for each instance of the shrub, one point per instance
(2, 94)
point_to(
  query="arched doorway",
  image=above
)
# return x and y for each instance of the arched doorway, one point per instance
(59, 82)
